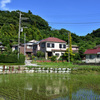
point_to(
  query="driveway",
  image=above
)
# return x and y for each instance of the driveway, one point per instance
(28, 63)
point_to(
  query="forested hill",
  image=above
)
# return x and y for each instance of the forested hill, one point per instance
(39, 29)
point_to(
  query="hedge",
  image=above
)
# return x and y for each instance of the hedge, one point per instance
(12, 58)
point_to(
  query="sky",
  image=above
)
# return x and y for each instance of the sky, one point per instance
(78, 16)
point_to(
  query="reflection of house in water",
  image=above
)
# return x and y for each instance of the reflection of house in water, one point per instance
(49, 88)
(28, 86)
(55, 88)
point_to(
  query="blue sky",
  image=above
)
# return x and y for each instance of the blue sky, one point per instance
(59, 14)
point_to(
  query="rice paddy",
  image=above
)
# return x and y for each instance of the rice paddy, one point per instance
(43, 86)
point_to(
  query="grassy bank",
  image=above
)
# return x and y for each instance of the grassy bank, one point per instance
(75, 69)
(63, 65)
(11, 64)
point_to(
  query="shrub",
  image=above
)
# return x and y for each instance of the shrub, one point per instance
(40, 54)
(21, 59)
(12, 58)
(53, 58)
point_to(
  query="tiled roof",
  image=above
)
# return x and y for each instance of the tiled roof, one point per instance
(92, 51)
(52, 39)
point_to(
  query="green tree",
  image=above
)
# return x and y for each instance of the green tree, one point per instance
(69, 50)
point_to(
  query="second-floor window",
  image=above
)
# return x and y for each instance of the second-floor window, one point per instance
(62, 45)
(29, 47)
(50, 45)
(43, 45)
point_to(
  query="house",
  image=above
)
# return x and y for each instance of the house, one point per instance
(15, 47)
(2, 48)
(50, 46)
(26, 48)
(75, 48)
(93, 55)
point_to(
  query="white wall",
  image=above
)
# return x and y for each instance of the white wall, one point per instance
(60, 54)
(13, 48)
(56, 46)
(93, 60)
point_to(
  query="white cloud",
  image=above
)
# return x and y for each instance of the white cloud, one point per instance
(3, 4)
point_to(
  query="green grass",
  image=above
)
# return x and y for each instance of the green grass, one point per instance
(11, 64)
(64, 64)
(75, 69)
(54, 64)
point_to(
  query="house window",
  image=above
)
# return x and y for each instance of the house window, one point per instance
(48, 44)
(64, 45)
(34, 47)
(91, 56)
(62, 54)
(52, 45)
(29, 47)
(43, 45)
(60, 45)
(98, 56)
(57, 54)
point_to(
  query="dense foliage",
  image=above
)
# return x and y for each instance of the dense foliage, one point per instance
(39, 29)
(53, 58)
(12, 58)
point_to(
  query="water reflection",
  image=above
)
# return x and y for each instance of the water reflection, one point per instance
(50, 87)
(82, 95)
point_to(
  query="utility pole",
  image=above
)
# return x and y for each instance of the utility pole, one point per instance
(19, 34)
(24, 44)
(68, 48)
(20, 18)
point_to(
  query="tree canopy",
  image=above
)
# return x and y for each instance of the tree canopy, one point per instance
(39, 29)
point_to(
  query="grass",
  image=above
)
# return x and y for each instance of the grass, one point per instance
(11, 64)
(63, 64)
(75, 69)
(53, 64)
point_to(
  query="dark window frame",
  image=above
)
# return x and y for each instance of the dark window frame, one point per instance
(48, 45)
(91, 57)
(98, 56)
(43, 45)
(34, 47)
(60, 45)
(64, 45)
(57, 54)
(52, 45)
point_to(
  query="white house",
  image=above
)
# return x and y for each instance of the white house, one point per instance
(52, 46)
(93, 55)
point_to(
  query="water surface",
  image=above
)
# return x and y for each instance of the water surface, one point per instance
(49, 87)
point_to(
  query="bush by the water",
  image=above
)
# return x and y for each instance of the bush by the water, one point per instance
(12, 58)
(53, 58)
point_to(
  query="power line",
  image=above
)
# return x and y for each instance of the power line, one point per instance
(74, 23)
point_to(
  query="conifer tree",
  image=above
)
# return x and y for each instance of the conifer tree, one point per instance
(69, 50)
